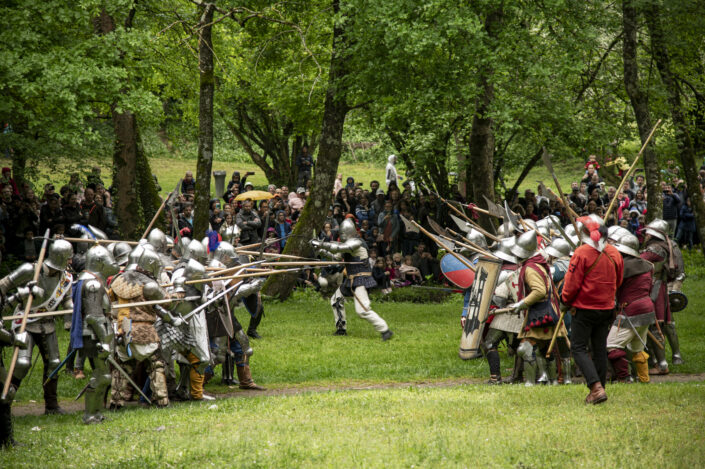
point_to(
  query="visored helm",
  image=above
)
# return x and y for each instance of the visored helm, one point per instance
(615, 233)
(157, 238)
(629, 245)
(477, 238)
(60, 252)
(100, 261)
(504, 250)
(225, 254)
(146, 258)
(197, 251)
(658, 229)
(347, 230)
(194, 270)
(121, 252)
(526, 245)
(558, 248)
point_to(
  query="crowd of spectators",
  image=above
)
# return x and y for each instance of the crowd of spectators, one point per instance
(398, 255)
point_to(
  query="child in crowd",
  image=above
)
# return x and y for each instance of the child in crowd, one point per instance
(409, 272)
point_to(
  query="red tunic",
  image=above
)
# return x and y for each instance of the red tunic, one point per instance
(597, 290)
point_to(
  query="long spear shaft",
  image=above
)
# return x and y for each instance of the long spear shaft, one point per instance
(28, 307)
(629, 172)
(433, 237)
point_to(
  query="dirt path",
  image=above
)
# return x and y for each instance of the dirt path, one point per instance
(70, 406)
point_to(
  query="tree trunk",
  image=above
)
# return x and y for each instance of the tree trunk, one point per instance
(136, 196)
(514, 191)
(204, 164)
(659, 50)
(19, 154)
(461, 159)
(481, 145)
(330, 148)
(640, 104)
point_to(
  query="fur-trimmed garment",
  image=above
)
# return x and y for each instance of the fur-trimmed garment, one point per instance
(128, 288)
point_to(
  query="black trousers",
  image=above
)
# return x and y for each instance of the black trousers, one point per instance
(590, 328)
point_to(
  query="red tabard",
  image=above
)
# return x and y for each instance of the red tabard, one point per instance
(635, 293)
(598, 289)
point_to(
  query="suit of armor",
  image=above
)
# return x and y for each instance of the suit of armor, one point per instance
(92, 322)
(137, 339)
(358, 278)
(51, 292)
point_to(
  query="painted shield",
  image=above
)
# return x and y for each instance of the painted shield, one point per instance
(456, 272)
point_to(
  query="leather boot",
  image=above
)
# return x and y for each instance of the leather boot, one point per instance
(51, 402)
(517, 371)
(642, 366)
(529, 373)
(669, 330)
(245, 378)
(597, 394)
(565, 367)
(252, 328)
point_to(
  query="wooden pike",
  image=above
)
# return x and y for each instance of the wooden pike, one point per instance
(28, 307)
(271, 255)
(239, 276)
(156, 215)
(571, 214)
(433, 237)
(100, 241)
(629, 172)
(470, 245)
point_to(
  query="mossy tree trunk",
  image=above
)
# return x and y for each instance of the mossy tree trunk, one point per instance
(330, 148)
(135, 198)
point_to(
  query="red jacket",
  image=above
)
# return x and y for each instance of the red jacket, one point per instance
(597, 290)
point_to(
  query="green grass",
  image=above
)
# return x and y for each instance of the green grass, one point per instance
(170, 170)
(299, 349)
(465, 426)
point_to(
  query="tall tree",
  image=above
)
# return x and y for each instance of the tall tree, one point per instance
(482, 142)
(330, 148)
(640, 104)
(204, 163)
(683, 139)
(136, 198)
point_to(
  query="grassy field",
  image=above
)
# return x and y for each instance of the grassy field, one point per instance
(465, 426)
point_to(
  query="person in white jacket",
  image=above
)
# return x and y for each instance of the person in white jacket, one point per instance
(391, 172)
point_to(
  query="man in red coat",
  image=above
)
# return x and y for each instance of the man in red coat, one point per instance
(594, 274)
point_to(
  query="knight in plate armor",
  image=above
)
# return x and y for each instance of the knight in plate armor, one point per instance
(91, 329)
(51, 292)
(357, 279)
(136, 337)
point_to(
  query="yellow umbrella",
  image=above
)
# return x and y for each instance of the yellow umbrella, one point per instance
(254, 195)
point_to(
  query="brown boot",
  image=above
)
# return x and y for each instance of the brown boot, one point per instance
(245, 378)
(597, 394)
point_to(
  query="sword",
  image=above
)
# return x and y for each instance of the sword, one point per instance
(61, 365)
(83, 391)
(629, 321)
(112, 361)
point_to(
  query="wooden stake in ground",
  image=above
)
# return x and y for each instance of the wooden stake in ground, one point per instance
(629, 172)
(27, 308)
